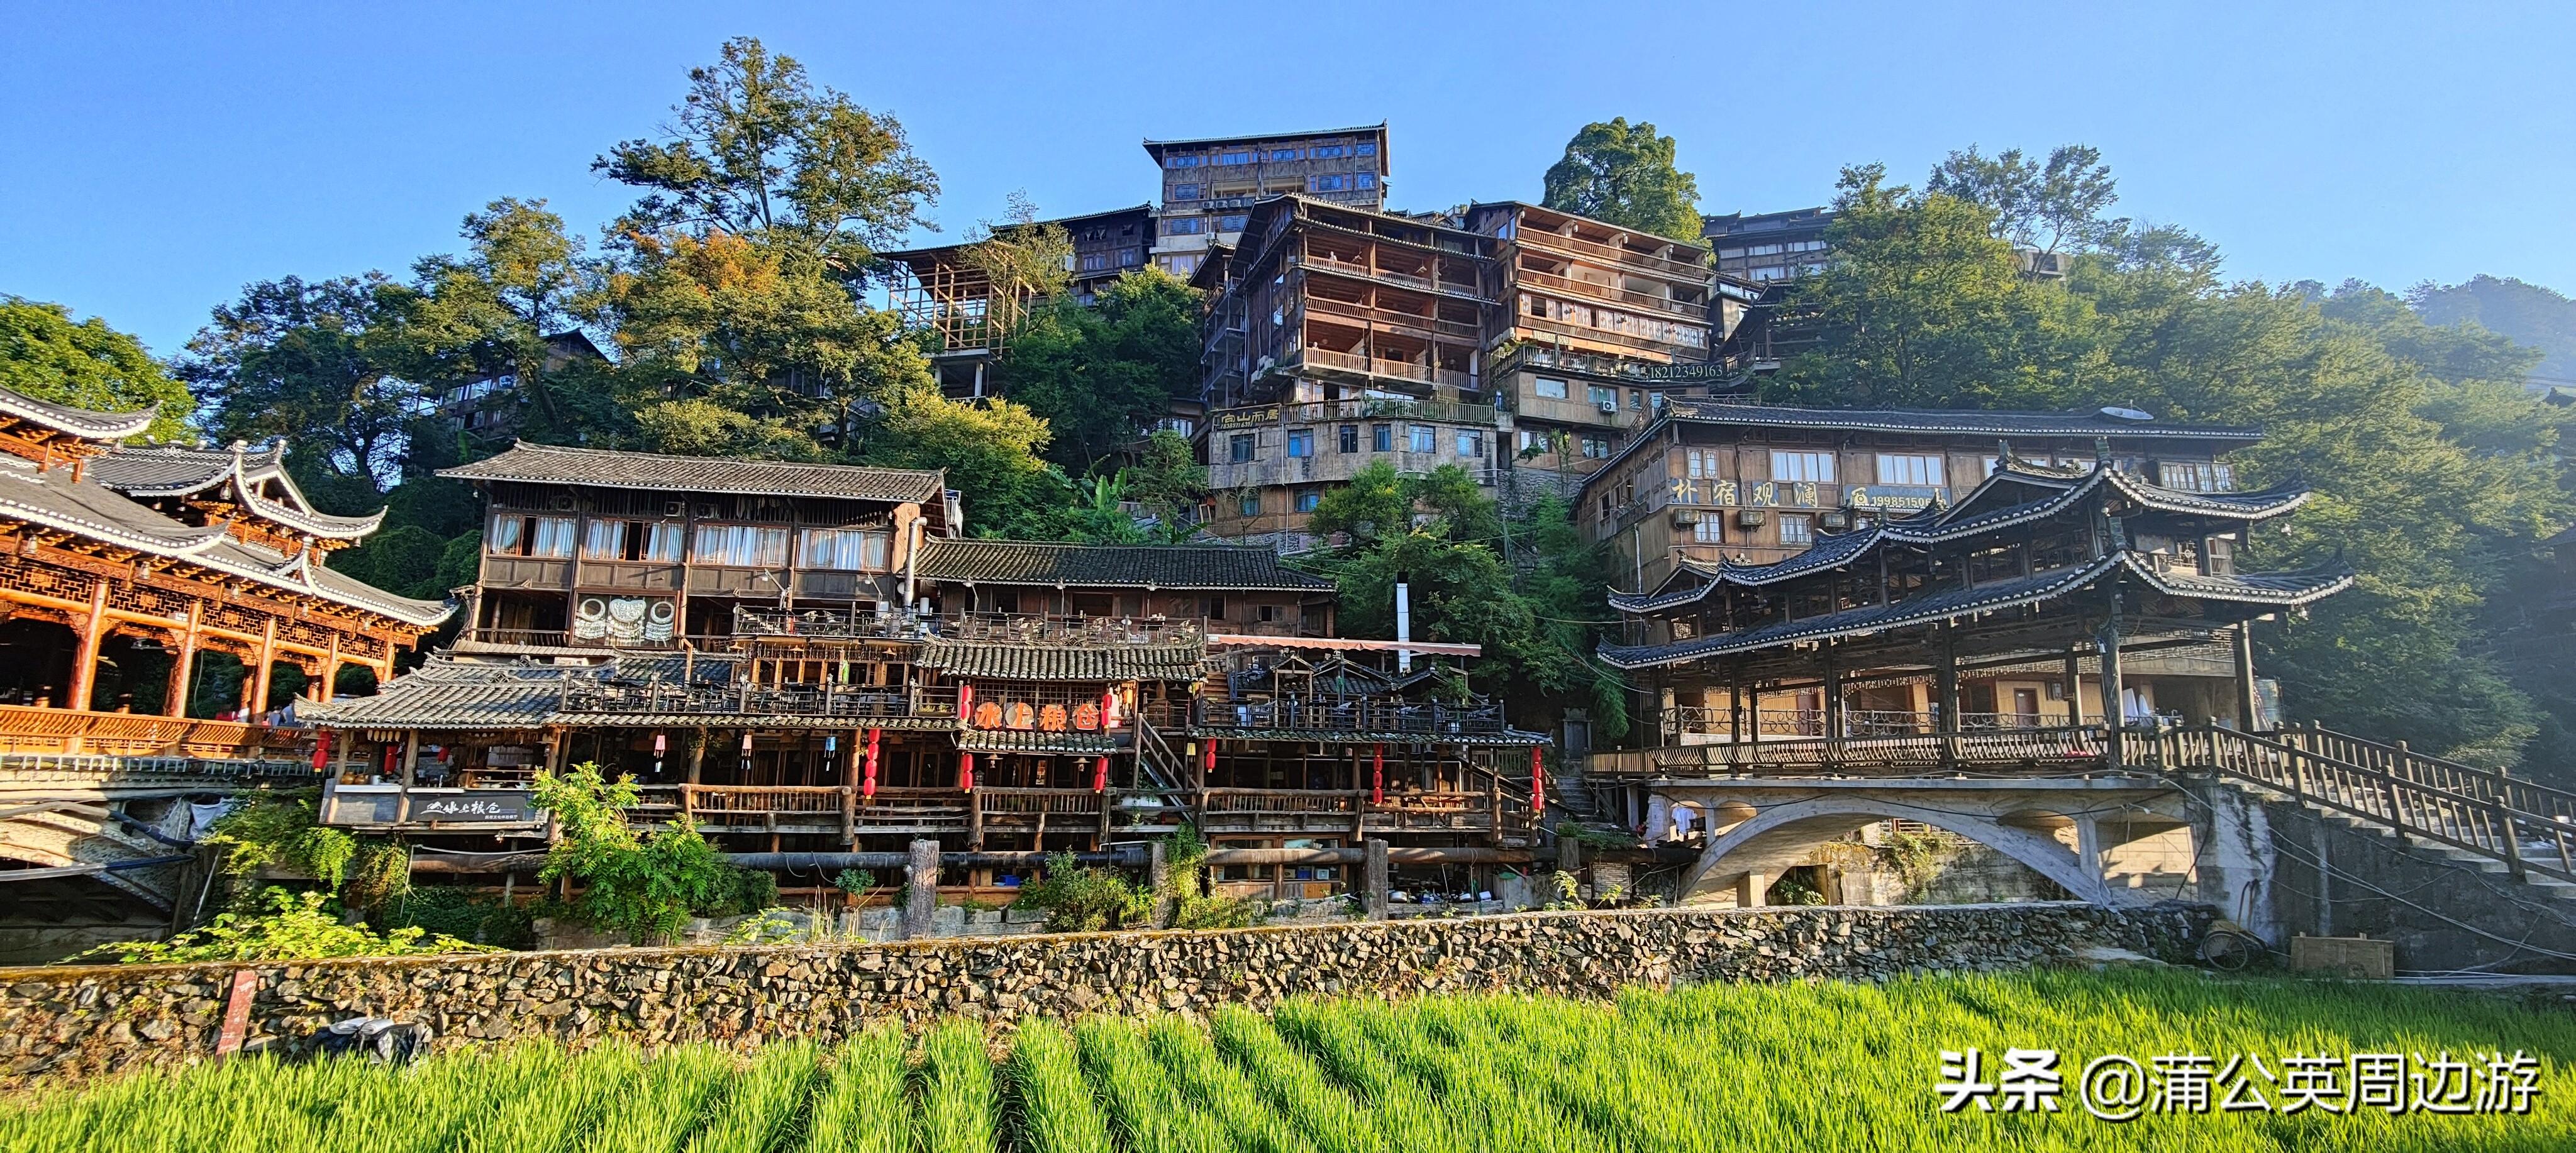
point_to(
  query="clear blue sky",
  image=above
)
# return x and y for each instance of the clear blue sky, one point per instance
(154, 158)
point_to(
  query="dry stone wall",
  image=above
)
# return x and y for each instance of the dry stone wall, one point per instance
(67, 1023)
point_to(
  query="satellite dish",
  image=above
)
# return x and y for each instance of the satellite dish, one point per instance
(2125, 413)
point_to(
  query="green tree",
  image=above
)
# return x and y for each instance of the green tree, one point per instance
(2046, 205)
(46, 355)
(329, 365)
(1625, 175)
(493, 308)
(645, 885)
(1102, 373)
(756, 150)
(1169, 481)
(990, 449)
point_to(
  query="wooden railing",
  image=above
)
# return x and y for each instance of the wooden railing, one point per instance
(51, 771)
(1355, 714)
(857, 702)
(2529, 827)
(1290, 810)
(1089, 631)
(29, 729)
(1718, 721)
(2016, 751)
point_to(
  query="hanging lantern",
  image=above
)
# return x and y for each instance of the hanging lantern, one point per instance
(389, 760)
(321, 749)
(1207, 758)
(1377, 774)
(965, 701)
(1100, 775)
(746, 743)
(966, 771)
(1538, 783)
(659, 744)
(1109, 708)
(868, 778)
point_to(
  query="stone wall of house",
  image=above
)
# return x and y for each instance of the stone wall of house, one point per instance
(63, 1023)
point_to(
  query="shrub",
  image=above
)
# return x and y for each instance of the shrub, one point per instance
(296, 927)
(644, 886)
(449, 911)
(1085, 900)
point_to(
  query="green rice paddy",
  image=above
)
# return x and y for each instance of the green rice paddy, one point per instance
(1807, 1066)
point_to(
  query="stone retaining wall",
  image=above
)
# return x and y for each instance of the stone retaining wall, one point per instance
(62, 1023)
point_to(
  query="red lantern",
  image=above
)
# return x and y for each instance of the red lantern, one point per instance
(1100, 776)
(321, 749)
(1377, 774)
(1108, 708)
(868, 783)
(1538, 783)
(965, 700)
(966, 771)
(1207, 758)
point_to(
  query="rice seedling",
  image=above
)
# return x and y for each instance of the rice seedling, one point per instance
(766, 1103)
(959, 1104)
(1140, 1099)
(1332, 1120)
(1400, 1105)
(666, 1103)
(1055, 1112)
(1219, 1090)
(863, 1106)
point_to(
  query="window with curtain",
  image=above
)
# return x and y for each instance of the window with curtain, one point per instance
(844, 549)
(545, 537)
(740, 545)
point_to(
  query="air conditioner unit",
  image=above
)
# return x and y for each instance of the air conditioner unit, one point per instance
(1836, 521)
(1685, 518)
(1752, 517)
(673, 508)
(1610, 407)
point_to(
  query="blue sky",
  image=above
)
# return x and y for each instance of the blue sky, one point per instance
(154, 158)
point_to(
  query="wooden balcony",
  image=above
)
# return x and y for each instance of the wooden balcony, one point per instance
(1353, 714)
(1685, 311)
(1351, 812)
(1328, 360)
(1616, 256)
(858, 703)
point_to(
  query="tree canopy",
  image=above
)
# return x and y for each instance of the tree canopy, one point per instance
(47, 355)
(1626, 175)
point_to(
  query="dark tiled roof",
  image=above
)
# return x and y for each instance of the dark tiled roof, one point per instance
(1063, 663)
(1178, 567)
(1032, 741)
(170, 470)
(451, 694)
(2272, 588)
(87, 424)
(54, 500)
(1969, 422)
(598, 468)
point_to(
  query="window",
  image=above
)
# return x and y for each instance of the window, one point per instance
(1711, 529)
(631, 540)
(1365, 180)
(1301, 442)
(1381, 438)
(2198, 476)
(844, 549)
(1185, 192)
(1278, 155)
(1637, 399)
(1095, 261)
(1471, 443)
(1597, 448)
(1551, 389)
(1238, 156)
(1602, 396)
(1350, 438)
(1365, 148)
(1190, 161)
(1249, 504)
(1238, 448)
(1910, 468)
(1232, 223)
(1815, 466)
(1797, 529)
(544, 537)
(1328, 184)
(739, 545)
(1532, 441)
(1423, 438)
(1990, 464)
(1307, 500)
(1183, 225)
(1330, 151)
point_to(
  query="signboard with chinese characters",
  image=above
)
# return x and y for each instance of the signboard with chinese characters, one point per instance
(1897, 497)
(1779, 494)
(495, 806)
(1693, 490)
(1247, 417)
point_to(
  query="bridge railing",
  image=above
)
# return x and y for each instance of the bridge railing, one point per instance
(1988, 751)
(2528, 826)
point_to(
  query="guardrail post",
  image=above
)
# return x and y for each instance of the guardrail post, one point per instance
(1373, 880)
(2512, 842)
(921, 890)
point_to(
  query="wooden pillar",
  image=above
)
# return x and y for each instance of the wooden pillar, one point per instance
(921, 890)
(85, 662)
(2108, 640)
(2071, 686)
(410, 756)
(1373, 879)
(183, 665)
(330, 670)
(267, 665)
(1946, 681)
(1833, 697)
(697, 757)
(2249, 708)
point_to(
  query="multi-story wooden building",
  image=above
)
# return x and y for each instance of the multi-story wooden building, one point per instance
(944, 293)
(1717, 480)
(829, 694)
(1211, 184)
(2048, 598)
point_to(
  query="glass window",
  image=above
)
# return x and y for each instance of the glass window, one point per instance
(1329, 151)
(1185, 192)
(1239, 156)
(1381, 438)
(1990, 464)
(1238, 448)
(1603, 396)
(1190, 161)
(1596, 448)
(1183, 225)
(542, 536)
(1423, 438)
(1711, 529)
(1910, 468)
(1249, 504)
(1471, 443)
(1702, 463)
(1307, 500)
(1280, 154)
(1815, 466)
(1301, 442)
(1365, 180)
(844, 549)
(509, 534)
(1350, 438)
(2198, 476)
(1797, 529)
(1365, 148)
(1328, 183)
(1551, 389)
(739, 545)
(1637, 399)
(1232, 223)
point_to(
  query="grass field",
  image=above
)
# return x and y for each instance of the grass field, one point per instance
(1850, 1067)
